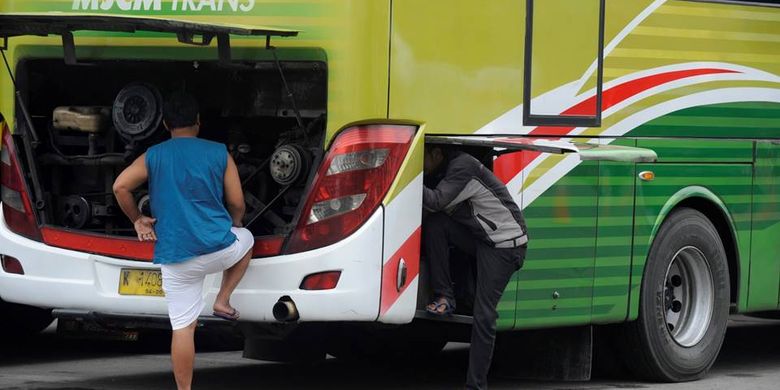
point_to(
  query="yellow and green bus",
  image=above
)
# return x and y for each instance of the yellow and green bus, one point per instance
(640, 137)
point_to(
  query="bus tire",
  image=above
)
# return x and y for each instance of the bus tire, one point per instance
(684, 302)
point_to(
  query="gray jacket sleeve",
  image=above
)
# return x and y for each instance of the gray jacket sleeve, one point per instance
(459, 172)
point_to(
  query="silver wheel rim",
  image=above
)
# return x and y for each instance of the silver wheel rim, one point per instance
(689, 296)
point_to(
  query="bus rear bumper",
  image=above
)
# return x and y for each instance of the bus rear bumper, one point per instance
(66, 279)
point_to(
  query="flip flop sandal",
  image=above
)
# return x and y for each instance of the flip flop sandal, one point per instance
(448, 308)
(435, 308)
(234, 316)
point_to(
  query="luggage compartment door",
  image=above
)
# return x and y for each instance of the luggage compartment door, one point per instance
(187, 32)
(556, 184)
(586, 151)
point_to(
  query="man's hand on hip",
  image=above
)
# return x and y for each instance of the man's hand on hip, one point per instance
(144, 226)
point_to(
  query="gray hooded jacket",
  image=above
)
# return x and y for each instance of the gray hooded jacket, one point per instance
(473, 196)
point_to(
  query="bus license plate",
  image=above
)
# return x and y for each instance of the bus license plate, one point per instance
(140, 282)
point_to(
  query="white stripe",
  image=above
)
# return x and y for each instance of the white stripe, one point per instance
(744, 73)
(515, 185)
(725, 95)
(619, 38)
(550, 177)
(564, 96)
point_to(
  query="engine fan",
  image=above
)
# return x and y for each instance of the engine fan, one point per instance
(137, 112)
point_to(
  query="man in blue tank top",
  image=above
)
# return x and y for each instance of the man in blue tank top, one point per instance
(197, 206)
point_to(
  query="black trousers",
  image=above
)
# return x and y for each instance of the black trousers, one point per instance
(495, 267)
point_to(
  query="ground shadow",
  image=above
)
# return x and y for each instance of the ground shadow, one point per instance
(746, 348)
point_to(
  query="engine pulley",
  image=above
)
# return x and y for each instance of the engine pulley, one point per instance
(75, 212)
(137, 111)
(289, 163)
(145, 205)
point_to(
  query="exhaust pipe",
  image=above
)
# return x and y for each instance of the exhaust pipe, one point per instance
(285, 310)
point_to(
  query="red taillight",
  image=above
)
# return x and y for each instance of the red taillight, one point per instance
(321, 281)
(268, 246)
(17, 209)
(350, 184)
(12, 265)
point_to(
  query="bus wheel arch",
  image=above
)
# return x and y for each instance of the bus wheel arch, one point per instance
(706, 202)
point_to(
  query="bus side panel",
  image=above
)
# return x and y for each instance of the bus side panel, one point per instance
(612, 273)
(765, 253)
(555, 286)
(731, 184)
(456, 64)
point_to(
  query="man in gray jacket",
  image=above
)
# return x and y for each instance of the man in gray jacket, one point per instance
(472, 210)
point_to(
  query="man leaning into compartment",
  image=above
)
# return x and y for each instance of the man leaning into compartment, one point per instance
(472, 210)
(198, 205)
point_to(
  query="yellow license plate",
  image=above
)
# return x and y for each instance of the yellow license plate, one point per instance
(140, 282)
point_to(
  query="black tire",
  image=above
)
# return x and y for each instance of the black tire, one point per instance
(21, 320)
(651, 349)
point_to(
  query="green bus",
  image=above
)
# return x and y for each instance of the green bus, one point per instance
(640, 137)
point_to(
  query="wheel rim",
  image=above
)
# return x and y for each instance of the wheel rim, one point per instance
(689, 296)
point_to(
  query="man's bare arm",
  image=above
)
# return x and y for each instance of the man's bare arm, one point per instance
(234, 195)
(130, 179)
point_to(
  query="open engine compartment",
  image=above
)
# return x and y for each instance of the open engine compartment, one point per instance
(93, 120)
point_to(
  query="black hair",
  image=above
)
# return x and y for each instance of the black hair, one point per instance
(180, 110)
(446, 150)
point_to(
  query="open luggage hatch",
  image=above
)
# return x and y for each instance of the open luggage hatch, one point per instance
(75, 135)
(587, 152)
(188, 32)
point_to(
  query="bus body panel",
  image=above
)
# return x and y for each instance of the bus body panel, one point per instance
(555, 286)
(612, 268)
(708, 75)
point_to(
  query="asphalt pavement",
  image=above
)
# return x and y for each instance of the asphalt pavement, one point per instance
(750, 359)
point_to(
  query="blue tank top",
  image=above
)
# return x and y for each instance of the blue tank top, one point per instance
(186, 191)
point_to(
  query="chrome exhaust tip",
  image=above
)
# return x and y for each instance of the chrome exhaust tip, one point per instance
(285, 310)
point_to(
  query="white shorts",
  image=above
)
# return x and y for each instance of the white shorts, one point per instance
(183, 282)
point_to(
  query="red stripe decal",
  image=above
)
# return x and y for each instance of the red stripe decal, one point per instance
(410, 253)
(507, 167)
(131, 248)
(128, 248)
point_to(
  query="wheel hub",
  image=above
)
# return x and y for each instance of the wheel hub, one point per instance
(689, 296)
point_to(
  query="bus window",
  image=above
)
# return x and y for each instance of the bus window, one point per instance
(563, 36)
